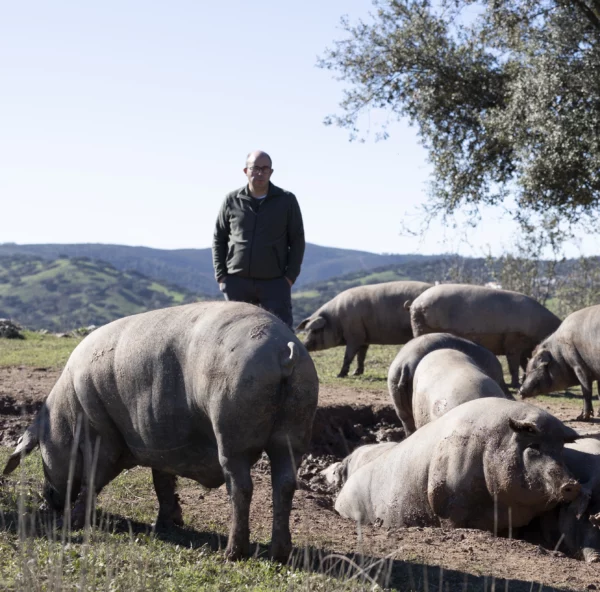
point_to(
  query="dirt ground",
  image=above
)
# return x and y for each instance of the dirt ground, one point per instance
(407, 558)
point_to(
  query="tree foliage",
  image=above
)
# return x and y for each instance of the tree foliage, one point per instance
(505, 95)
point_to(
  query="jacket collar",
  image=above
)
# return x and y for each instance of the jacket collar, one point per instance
(271, 192)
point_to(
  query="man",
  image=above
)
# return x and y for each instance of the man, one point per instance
(258, 243)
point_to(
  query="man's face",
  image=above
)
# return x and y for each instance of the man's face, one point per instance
(258, 170)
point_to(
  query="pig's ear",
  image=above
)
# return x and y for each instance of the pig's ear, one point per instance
(545, 357)
(571, 436)
(313, 324)
(303, 324)
(581, 503)
(595, 520)
(523, 427)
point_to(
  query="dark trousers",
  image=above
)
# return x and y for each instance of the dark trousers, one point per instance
(272, 295)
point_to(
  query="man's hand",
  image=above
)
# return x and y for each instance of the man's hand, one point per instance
(289, 281)
(221, 282)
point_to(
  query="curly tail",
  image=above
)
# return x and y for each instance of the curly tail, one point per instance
(27, 442)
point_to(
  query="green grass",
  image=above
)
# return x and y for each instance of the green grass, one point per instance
(379, 358)
(37, 350)
(119, 555)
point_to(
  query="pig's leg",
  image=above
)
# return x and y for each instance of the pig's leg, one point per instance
(284, 462)
(351, 350)
(169, 510)
(360, 360)
(101, 462)
(586, 388)
(513, 359)
(239, 487)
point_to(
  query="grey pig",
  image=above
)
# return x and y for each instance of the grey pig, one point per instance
(465, 470)
(199, 391)
(570, 356)
(507, 323)
(402, 369)
(360, 316)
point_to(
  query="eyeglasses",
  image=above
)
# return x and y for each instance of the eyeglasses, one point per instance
(257, 169)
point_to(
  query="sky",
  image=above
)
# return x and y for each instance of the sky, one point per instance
(128, 122)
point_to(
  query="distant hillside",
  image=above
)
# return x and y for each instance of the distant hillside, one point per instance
(192, 268)
(68, 293)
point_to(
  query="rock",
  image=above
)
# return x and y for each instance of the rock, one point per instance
(10, 330)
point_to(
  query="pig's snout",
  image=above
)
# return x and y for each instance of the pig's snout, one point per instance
(569, 491)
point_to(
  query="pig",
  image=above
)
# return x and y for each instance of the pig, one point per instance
(199, 391)
(507, 323)
(337, 473)
(465, 470)
(445, 379)
(402, 369)
(570, 356)
(360, 316)
(575, 525)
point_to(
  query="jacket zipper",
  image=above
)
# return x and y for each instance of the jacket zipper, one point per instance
(253, 235)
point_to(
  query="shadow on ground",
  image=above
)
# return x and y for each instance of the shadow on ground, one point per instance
(366, 570)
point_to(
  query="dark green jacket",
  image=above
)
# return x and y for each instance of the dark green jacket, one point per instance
(263, 244)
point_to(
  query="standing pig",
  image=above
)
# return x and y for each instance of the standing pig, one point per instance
(402, 369)
(445, 379)
(360, 316)
(578, 522)
(199, 391)
(455, 471)
(570, 356)
(504, 322)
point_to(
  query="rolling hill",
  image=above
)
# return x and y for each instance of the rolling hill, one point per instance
(65, 293)
(192, 268)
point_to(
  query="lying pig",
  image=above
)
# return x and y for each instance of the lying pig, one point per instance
(570, 356)
(576, 525)
(199, 391)
(445, 379)
(337, 474)
(450, 472)
(504, 322)
(360, 316)
(402, 369)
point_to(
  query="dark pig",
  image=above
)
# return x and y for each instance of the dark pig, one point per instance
(402, 369)
(360, 316)
(507, 323)
(570, 356)
(199, 391)
(466, 470)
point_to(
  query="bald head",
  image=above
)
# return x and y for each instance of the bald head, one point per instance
(258, 155)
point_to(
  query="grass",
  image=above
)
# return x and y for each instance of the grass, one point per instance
(379, 358)
(118, 554)
(37, 350)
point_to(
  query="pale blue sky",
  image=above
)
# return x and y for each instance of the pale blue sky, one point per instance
(127, 122)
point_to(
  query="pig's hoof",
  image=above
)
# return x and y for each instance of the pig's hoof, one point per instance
(164, 523)
(342, 374)
(281, 553)
(585, 416)
(236, 552)
(358, 372)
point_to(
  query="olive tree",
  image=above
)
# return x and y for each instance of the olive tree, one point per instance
(505, 95)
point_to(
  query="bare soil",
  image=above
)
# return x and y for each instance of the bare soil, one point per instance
(407, 558)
